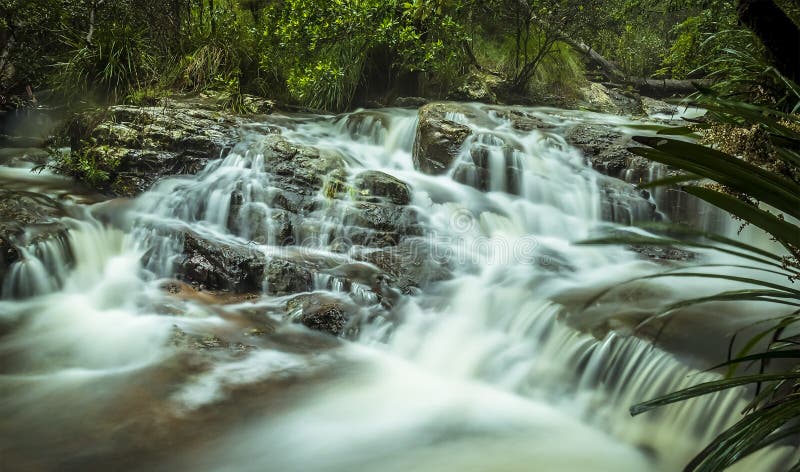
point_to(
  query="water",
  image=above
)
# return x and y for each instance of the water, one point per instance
(492, 368)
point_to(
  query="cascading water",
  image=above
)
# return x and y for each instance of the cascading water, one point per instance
(482, 369)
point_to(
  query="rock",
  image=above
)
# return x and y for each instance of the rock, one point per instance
(411, 265)
(520, 120)
(600, 98)
(439, 138)
(651, 107)
(622, 203)
(257, 105)
(259, 223)
(136, 146)
(410, 102)
(26, 218)
(607, 151)
(301, 165)
(663, 255)
(23, 157)
(376, 186)
(299, 172)
(395, 219)
(320, 312)
(285, 276)
(206, 342)
(478, 86)
(219, 266)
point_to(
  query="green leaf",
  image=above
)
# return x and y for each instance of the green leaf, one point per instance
(788, 354)
(785, 232)
(668, 181)
(708, 387)
(742, 176)
(744, 437)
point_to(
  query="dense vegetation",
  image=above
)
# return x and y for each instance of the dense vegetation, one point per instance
(334, 55)
(338, 54)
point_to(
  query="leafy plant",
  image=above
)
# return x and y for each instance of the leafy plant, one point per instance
(116, 62)
(763, 198)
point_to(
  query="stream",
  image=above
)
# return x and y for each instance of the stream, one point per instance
(110, 362)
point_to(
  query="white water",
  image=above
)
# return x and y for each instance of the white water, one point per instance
(479, 372)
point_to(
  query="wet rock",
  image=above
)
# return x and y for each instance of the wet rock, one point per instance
(260, 224)
(521, 121)
(257, 105)
(136, 145)
(663, 255)
(301, 165)
(23, 157)
(651, 106)
(220, 266)
(206, 342)
(622, 203)
(439, 138)
(398, 220)
(607, 151)
(26, 218)
(411, 265)
(376, 186)
(285, 276)
(183, 291)
(320, 312)
(299, 171)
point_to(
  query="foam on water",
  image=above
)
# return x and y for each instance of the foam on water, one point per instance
(484, 371)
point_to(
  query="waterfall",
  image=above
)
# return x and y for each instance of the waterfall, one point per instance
(491, 366)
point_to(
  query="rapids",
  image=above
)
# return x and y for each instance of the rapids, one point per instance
(491, 369)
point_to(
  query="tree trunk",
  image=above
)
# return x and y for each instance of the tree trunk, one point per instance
(776, 31)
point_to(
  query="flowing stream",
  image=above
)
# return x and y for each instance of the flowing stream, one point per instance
(490, 368)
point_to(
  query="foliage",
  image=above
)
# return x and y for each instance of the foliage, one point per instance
(93, 165)
(342, 53)
(114, 63)
(319, 49)
(762, 189)
(694, 47)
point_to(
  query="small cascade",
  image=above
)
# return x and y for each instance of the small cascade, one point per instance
(177, 320)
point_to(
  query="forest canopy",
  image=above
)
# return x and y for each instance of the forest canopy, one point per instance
(336, 54)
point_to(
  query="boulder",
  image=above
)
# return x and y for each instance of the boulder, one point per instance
(603, 99)
(478, 86)
(663, 255)
(623, 203)
(439, 138)
(134, 146)
(651, 106)
(320, 312)
(383, 217)
(219, 266)
(299, 172)
(376, 186)
(410, 102)
(287, 276)
(607, 152)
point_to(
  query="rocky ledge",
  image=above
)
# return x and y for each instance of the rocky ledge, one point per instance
(134, 146)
